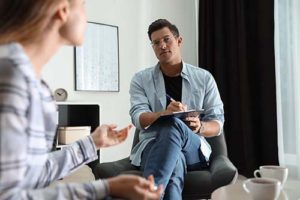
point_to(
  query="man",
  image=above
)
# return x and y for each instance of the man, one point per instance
(169, 146)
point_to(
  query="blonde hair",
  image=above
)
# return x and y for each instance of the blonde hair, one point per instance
(25, 20)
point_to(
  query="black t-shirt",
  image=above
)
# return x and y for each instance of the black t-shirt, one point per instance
(173, 87)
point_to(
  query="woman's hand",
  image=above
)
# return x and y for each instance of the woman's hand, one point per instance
(106, 135)
(134, 188)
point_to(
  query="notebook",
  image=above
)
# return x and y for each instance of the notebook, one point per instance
(184, 114)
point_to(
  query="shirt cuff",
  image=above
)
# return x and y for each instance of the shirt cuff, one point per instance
(220, 125)
(102, 188)
(89, 148)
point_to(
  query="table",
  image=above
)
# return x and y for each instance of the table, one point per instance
(291, 191)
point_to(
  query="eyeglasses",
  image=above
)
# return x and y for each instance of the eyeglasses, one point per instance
(166, 40)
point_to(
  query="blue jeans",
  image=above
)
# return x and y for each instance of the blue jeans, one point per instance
(175, 148)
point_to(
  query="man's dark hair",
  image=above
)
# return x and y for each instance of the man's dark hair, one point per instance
(161, 23)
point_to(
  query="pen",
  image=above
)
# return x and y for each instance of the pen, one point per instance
(169, 98)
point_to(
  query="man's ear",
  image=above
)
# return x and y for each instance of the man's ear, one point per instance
(63, 11)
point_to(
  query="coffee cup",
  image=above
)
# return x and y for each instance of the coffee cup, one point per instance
(262, 188)
(272, 171)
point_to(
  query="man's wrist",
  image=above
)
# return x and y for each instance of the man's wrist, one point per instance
(202, 128)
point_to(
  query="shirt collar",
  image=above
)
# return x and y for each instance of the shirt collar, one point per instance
(184, 72)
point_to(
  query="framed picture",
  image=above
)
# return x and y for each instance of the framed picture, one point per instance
(97, 60)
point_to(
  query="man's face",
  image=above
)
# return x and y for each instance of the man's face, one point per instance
(166, 46)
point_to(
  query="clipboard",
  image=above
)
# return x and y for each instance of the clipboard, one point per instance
(184, 114)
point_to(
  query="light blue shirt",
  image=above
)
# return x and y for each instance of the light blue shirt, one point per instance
(147, 94)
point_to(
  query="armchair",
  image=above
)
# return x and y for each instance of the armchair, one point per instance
(198, 184)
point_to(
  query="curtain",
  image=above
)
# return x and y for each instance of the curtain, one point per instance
(287, 48)
(236, 44)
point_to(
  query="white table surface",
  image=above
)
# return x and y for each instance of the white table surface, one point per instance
(291, 191)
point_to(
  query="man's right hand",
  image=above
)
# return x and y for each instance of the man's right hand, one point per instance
(148, 118)
(176, 106)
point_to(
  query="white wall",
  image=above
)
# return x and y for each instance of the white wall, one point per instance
(133, 18)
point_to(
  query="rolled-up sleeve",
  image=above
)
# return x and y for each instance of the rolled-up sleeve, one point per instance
(138, 99)
(212, 102)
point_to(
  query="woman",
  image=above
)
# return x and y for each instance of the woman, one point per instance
(31, 31)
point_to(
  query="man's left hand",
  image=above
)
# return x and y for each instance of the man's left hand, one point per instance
(193, 123)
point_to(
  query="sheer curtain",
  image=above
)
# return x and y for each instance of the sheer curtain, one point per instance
(287, 51)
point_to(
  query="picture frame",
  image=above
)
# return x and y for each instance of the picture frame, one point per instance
(97, 59)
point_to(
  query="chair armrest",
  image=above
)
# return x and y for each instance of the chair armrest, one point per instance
(222, 170)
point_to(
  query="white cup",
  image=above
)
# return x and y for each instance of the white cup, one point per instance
(262, 188)
(272, 171)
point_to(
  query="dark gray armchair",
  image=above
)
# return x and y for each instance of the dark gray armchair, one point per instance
(198, 184)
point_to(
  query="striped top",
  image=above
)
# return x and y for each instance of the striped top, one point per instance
(27, 130)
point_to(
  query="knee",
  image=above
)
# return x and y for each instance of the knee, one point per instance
(177, 127)
(174, 121)
(172, 130)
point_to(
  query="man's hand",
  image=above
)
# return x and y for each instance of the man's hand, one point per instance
(176, 106)
(194, 123)
(134, 188)
(148, 118)
(106, 135)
